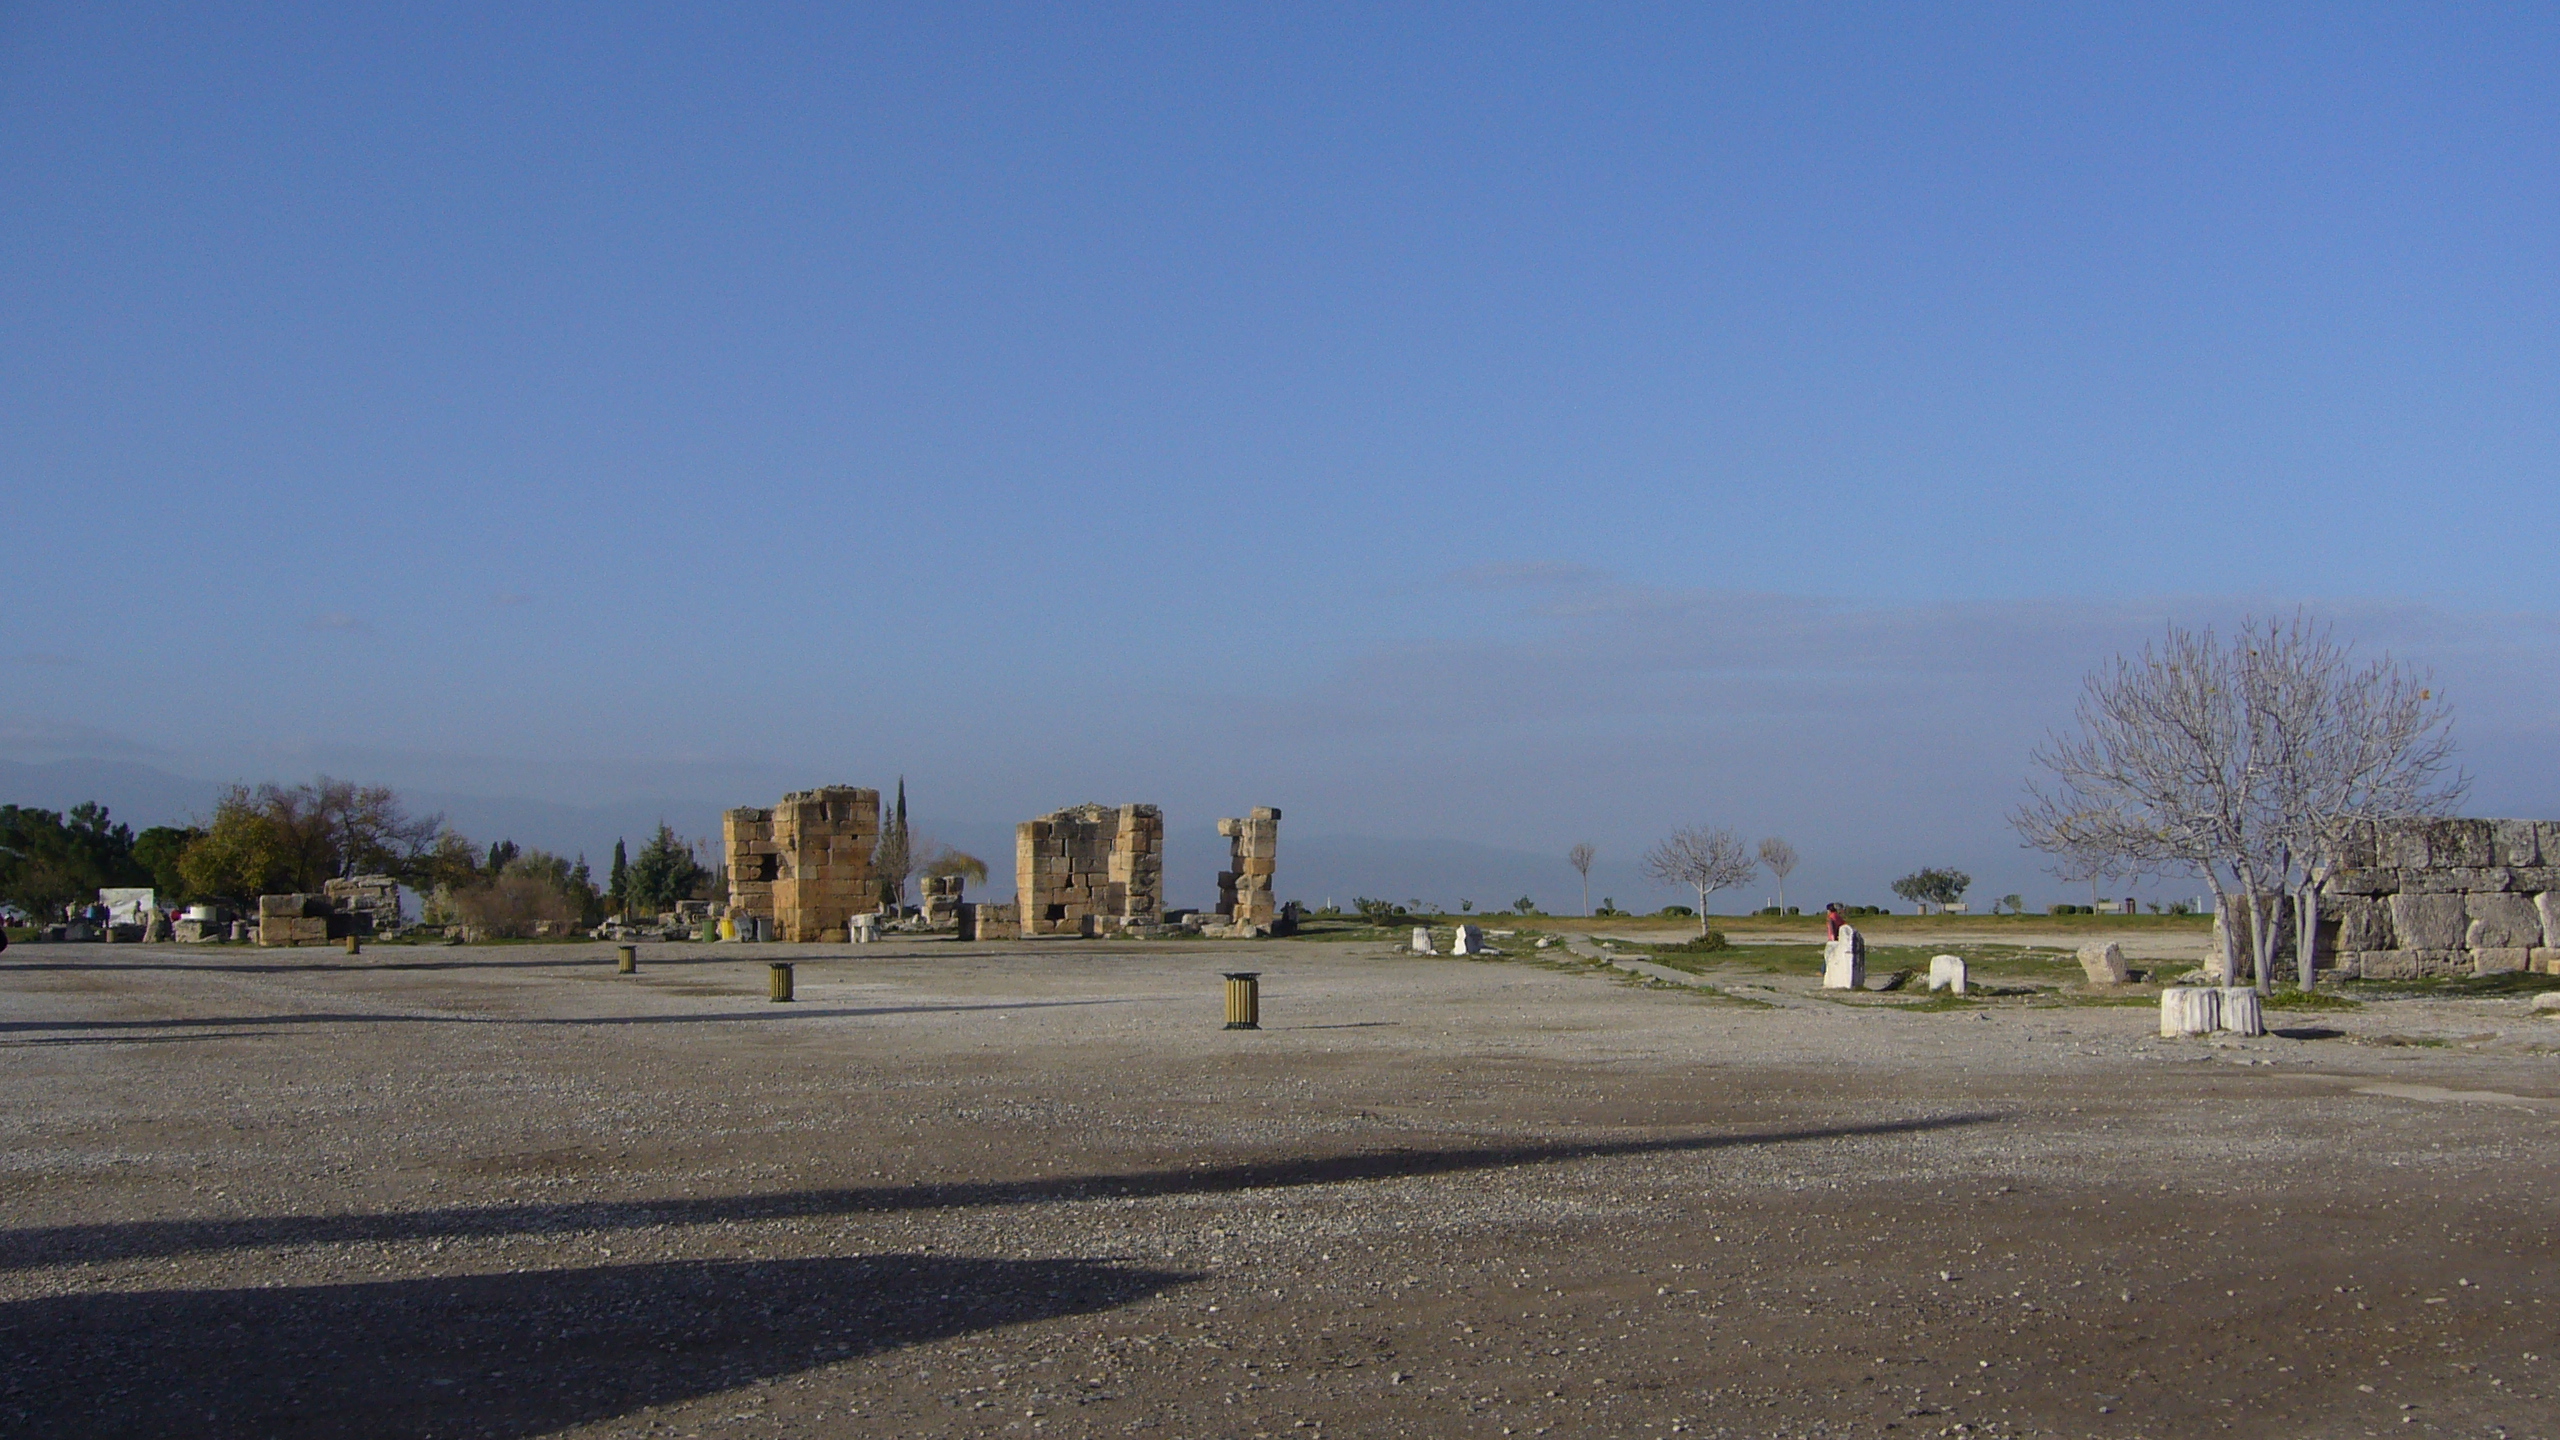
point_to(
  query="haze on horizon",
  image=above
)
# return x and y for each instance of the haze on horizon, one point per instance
(1496, 425)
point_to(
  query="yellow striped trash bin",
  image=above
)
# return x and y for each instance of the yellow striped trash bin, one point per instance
(630, 960)
(1244, 999)
(781, 981)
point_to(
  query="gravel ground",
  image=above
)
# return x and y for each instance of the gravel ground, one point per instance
(1035, 1189)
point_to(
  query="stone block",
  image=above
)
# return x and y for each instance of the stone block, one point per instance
(2189, 1010)
(1947, 972)
(2359, 848)
(2361, 882)
(1468, 940)
(2105, 964)
(2402, 844)
(2455, 880)
(1421, 939)
(2514, 842)
(2364, 923)
(2428, 922)
(2502, 961)
(2463, 844)
(293, 930)
(2500, 921)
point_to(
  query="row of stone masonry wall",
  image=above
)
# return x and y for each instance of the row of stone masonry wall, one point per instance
(2416, 898)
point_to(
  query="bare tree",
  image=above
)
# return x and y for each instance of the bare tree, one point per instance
(2085, 862)
(2248, 763)
(1706, 859)
(1780, 857)
(1580, 857)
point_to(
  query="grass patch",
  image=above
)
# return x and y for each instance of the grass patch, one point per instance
(2291, 998)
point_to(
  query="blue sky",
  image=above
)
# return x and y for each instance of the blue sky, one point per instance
(1518, 425)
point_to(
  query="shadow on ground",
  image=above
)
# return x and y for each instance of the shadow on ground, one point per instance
(121, 1240)
(360, 1017)
(499, 1355)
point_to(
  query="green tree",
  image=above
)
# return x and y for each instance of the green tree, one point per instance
(157, 851)
(281, 840)
(48, 860)
(502, 853)
(1933, 887)
(617, 888)
(664, 872)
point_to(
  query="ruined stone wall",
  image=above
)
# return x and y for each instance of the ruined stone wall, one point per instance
(1089, 869)
(2445, 897)
(746, 838)
(1245, 887)
(377, 896)
(806, 863)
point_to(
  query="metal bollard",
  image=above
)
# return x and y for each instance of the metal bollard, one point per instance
(630, 960)
(354, 946)
(781, 980)
(1244, 999)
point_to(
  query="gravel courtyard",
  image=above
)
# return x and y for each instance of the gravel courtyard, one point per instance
(1035, 1189)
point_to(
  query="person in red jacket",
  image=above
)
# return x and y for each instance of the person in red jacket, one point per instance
(1832, 920)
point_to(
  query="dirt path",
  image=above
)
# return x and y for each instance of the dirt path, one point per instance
(972, 1191)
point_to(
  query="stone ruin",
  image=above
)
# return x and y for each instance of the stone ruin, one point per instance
(1088, 870)
(804, 866)
(1253, 850)
(377, 896)
(938, 899)
(303, 919)
(2438, 897)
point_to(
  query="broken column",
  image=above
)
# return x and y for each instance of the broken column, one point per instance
(1947, 972)
(2189, 1010)
(1245, 889)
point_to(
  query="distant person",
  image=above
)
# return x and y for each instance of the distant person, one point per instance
(1832, 920)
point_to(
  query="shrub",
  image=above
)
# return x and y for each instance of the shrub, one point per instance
(515, 907)
(1677, 910)
(1376, 912)
(1712, 940)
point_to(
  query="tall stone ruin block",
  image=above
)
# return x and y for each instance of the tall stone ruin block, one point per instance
(805, 864)
(1245, 888)
(1089, 869)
